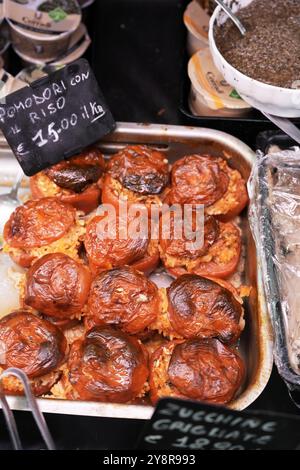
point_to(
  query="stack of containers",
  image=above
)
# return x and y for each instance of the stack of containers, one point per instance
(196, 20)
(210, 94)
(47, 31)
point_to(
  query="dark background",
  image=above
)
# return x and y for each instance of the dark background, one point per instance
(138, 55)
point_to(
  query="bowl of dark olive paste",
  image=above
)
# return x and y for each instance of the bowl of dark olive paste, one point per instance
(264, 64)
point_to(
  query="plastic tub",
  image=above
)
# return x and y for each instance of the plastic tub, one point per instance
(209, 91)
(36, 32)
(196, 21)
(48, 17)
(77, 46)
(39, 46)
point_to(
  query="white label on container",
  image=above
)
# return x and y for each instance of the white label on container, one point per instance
(51, 16)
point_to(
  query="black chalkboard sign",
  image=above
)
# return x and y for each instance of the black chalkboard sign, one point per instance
(55, 117)
(190, 426)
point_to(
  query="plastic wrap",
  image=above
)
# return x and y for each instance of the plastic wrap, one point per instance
(274, 189)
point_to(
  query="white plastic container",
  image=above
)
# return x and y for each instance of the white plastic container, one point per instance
(77, 45)
(43, 15)
(36, 33)
(39, 46)
(210, 94)
(279, 101)
(196, 21)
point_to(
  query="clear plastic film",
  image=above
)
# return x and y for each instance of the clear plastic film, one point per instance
(274, 189)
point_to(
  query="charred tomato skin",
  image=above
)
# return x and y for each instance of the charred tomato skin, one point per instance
(178, 246)
(201, 308)
(191, 365)
(198, 179)
(125, 298)
(79, 179)
(78, 172)
(210, 181)
(32, 344)
(198, 369)
(38, 223)
(57, 286)
(221, 259)
(109, 251)
(140, 169)
(107, 365)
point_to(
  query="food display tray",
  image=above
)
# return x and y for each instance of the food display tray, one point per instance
(256, 344)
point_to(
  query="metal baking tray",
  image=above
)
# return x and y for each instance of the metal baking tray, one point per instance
(256, 342)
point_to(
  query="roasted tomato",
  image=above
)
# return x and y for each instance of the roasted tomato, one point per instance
(175, 245)
(79, 172)
(112, 246)
(199, 307)
(199, 179)
(57, 286)
(39, 227)
(234, 200)
(217, 255)
(34, 345)
(207, 180)
(39, 223)
(140, 169)
(108, 366)
(198, 369)
(136, 174)
(223, 257)
(77, 181)
(123, 297)
(195, 307)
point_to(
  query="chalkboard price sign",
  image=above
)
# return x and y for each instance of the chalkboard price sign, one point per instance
(188, 426)
(55, 117)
